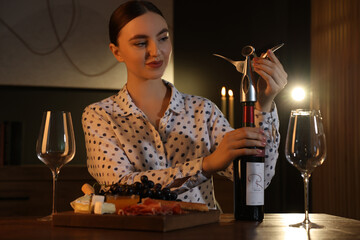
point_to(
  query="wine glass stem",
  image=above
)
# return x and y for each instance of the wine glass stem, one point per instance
(306, 198)
(55, 175)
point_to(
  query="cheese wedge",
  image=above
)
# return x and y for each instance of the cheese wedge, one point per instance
(82, 204)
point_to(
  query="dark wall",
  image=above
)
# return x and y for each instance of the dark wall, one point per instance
(224, 27)
(25, 106)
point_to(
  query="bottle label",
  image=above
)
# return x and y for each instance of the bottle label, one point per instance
(254, 183)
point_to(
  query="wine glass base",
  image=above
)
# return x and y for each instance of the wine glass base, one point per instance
(306, 225)
(48, 218)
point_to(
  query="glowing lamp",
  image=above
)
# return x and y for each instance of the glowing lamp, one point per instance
(298, 94)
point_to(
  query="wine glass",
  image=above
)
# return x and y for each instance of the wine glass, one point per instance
(305, 149)
(55, 145)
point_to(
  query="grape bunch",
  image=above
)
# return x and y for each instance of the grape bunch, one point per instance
(145, 188)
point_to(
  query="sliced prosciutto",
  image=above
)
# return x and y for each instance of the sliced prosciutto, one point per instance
(152, 207)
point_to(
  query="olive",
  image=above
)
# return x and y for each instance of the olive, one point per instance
(144, 179)
(173, 196)
(129, 191)
(150, 184)
(145, 185)
(167, 196)
(120, 189)
(151, 193)
(145, 188)
(158, 194)
(137, 185)
(158, 186)
(165, 190)
(145, 193)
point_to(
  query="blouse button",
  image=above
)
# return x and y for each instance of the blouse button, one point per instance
(162, 164)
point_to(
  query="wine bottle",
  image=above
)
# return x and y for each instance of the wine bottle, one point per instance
(248, 170)
(249, 179)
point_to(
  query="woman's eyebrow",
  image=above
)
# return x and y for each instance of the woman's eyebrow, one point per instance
(139, 36)
(164, 30)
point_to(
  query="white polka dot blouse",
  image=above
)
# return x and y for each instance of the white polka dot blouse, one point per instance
(122, 145)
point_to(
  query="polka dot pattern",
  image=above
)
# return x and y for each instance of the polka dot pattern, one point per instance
(122, 145)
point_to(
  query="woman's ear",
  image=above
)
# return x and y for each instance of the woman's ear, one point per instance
(116, 52)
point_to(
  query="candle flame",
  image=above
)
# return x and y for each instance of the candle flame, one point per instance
(223, 91)
(230, 93)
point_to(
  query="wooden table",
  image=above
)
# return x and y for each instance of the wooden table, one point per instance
(274, 226)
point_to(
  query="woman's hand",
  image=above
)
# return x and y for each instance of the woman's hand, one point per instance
(273, 80)
(234, 144)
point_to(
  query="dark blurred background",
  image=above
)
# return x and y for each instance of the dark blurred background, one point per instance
(200, 29)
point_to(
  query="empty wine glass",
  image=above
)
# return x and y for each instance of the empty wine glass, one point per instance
(55, 145)
(305, 149)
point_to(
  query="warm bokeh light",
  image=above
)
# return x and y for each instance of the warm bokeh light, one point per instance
(223, 91)
(230, 92)
(298, 94)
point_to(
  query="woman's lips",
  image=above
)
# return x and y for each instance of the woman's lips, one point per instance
(155, 64)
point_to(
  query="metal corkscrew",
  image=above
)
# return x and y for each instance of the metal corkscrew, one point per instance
(240, 64)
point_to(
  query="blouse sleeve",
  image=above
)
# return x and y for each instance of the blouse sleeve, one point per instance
(108, 163)
(269, 121)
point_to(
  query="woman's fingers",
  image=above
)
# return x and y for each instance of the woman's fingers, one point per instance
(271, 65)
(237, 143)
(272, 71)
(247, 152)
(238, 152)
(270, 68)
(272, 78)
(248, 132)
(245, 143)
(275, 60)
(273, 57)
(245, 137)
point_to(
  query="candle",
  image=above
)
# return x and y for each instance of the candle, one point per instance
(231, 108)
(223, 101)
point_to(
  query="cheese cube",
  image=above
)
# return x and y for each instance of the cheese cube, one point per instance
(103, 207)
(95, 199)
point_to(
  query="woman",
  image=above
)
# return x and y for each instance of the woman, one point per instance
(150, 128)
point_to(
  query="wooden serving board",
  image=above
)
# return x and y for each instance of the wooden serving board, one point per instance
(148, 223)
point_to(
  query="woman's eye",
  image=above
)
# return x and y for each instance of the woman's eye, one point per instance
(164, 38)
(140, 44)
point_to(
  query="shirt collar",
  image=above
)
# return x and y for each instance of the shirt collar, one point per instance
(127, 106)
(177, 99)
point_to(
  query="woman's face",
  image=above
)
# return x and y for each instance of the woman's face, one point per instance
(144, 46)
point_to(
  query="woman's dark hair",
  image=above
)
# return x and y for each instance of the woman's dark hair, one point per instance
(127, 12)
